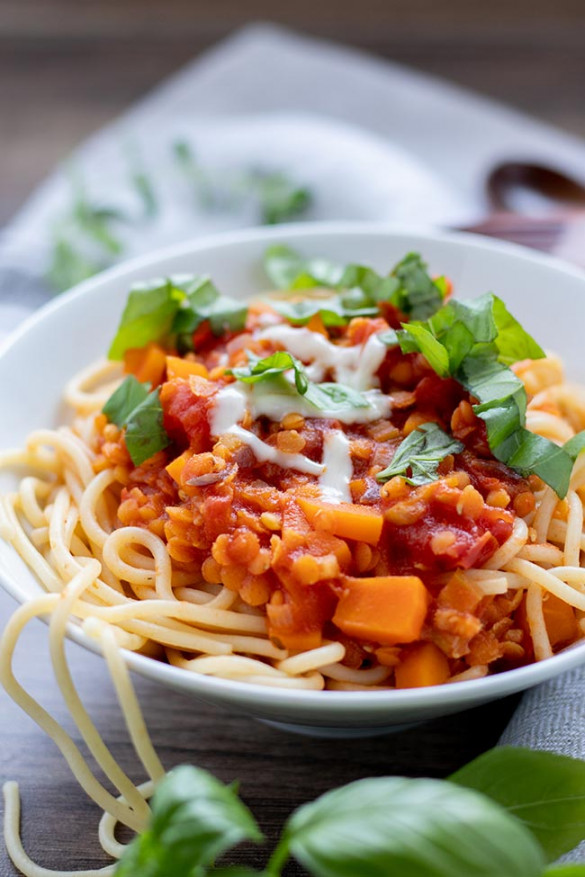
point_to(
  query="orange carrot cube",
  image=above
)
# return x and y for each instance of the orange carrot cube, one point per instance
(383, 609)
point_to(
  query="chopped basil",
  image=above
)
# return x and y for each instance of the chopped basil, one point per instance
(482, 326)
(276, 364)
(148, 316)
(145, 432)
(575, 446)
(334, 397)
(475, 342)
(417, 296)
(325, 397)
(128, 396)
(287, 269)
(132, 406)
(331, 311)
(171, 309)
(205, 302)
(360, 290)
(420, 453)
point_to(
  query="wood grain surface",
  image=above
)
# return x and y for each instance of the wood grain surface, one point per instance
(67, 67)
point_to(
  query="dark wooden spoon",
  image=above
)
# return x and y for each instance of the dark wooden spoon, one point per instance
(556, 203)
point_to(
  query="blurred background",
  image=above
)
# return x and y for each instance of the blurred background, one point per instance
(69, 66)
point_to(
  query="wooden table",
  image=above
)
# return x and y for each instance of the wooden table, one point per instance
(66, 68)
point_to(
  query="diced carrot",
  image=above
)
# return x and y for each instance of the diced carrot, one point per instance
(344, 519)
(300, 641)
(383, 609)
(182, 368)
(460, 594)
(316, 324)
(176, 467)
(559, 617)
(423, 665)
(147, 364)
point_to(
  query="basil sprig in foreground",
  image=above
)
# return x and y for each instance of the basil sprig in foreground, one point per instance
(507, 814)
(475, 343)
(359, 290)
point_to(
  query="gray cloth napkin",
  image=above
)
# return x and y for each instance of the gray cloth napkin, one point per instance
(552, 717)
(263, 71)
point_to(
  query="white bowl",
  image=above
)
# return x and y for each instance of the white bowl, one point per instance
(74, 329)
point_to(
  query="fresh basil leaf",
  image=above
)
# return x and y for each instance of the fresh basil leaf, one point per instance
(145, 433)
(575, 446)
(501, 395)
(335, 310)
(360, 288)
(204, 302)
(128, 396)
(148, 316)
(512, 341)
(330, 397)
(412, 828)
(287, 269)
(421, 452)
(491, 382)
(334, 397)
(528, 453)
(300, 313)
(371, 287)
(418, 295)
(195, 819)
(275, 364)
(544, 790)
(416, 337)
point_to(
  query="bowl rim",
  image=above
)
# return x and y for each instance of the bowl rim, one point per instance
(334, 703)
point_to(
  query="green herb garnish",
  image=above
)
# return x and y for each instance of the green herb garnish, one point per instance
(195, 818)
(275, 364)
(475, 342)
(205, 302)
(330, 397)
(170, 309)
(421, 452)
(128, 396)
(87, 238)
(278, 197)
(359, 290)
(507, 814)
(132, 406)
